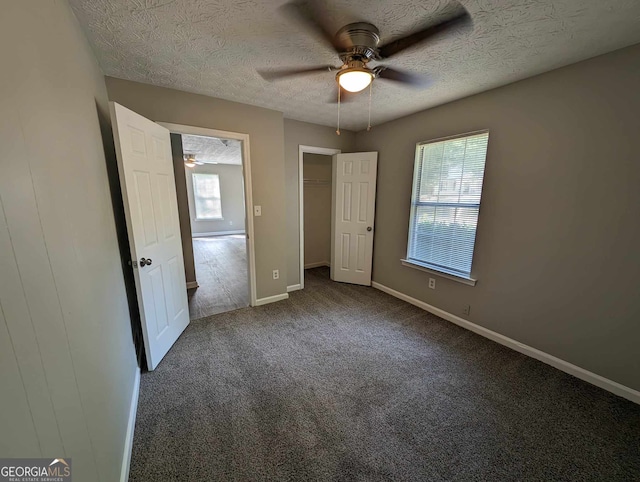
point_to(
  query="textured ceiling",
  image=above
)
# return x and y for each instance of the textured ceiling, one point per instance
(212, 150)
(214, 47)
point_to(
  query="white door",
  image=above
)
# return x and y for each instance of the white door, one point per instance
(354, 204)
(145, 164)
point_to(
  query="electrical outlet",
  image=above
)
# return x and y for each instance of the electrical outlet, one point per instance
(257, 210)
(432, 283)
(276, 274)
(466, 310)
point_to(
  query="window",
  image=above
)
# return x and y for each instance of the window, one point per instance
(447, 186)
(206, 193)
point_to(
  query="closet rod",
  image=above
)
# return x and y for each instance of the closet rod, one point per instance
(316, 181)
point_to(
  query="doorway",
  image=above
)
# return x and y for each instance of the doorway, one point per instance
(213, 193)
(317, 210)
(315, 190)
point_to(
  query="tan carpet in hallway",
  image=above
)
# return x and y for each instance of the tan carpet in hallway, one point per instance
(221, 271)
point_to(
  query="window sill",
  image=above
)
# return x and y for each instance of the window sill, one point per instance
(444, 274)
(208, 219)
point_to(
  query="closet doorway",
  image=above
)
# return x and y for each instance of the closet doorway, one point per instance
(316, 199)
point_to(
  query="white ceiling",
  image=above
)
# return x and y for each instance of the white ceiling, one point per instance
(212, 150)
(215, 47)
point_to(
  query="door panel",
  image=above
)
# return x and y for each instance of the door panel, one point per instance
(354, 192)
(363, 202)
(144, 201)
(346, 205)
(164, 194)
(145, 166)
(156, 299)
(361, 250)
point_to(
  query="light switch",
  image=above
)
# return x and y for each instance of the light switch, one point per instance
(257, 210)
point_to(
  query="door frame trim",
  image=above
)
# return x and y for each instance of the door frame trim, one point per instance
(302, 150)
(248, 187)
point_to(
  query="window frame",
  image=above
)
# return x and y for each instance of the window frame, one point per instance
(195, 204)
(442, 271)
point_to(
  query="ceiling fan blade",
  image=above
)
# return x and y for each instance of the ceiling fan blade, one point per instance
(311, 16)
(410, 78)
(459, 20)
(275, 74)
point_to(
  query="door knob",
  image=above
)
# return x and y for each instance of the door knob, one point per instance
(369, 228)
(145, 262)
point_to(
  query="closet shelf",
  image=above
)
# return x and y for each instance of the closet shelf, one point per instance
(317, 181)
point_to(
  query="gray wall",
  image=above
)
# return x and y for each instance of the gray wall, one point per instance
(302, 133)
(265, 128)
(557, 253)
(183, 207)
(231, 194)
(317, 209)
(67, 361)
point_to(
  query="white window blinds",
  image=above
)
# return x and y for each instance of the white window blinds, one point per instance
(447, 186)
(206, 193)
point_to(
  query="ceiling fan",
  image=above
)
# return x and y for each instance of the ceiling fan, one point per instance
(191, 161)
(357, 44)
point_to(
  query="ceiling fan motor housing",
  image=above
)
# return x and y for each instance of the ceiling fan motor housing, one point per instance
(360, 41)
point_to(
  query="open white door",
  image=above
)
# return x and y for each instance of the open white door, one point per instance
(353, 212)
(145, 164)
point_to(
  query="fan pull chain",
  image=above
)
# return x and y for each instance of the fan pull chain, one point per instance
(338, 129)
(370, 88)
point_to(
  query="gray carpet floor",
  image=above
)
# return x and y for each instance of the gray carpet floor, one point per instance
(345, 383)
(221, 272)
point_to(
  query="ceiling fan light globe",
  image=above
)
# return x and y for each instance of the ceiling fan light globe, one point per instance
(355, 80)
(190, 160)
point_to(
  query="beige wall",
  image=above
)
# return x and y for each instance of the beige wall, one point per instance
(302, 133)
(557, 253)
(317, 209)
(231, 194)
(67, 362)
(265, 128)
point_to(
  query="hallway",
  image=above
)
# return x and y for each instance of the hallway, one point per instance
(221, 271)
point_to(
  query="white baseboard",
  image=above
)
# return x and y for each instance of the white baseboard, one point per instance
(597, 380)
(291, 288)
(271, 299)
(128, 441)
(216, 233)
(192, 284)
(317, 265)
